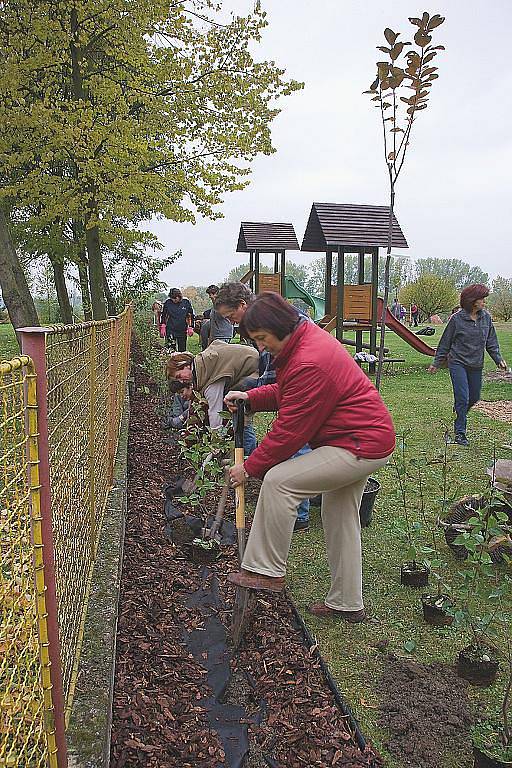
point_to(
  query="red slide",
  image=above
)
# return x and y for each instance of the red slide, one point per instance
(404, 332)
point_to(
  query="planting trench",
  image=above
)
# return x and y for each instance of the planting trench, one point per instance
(183, 698)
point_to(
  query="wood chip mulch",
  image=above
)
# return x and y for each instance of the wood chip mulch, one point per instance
(159, 714)
(499, 409)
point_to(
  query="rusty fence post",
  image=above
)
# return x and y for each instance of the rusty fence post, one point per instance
(92, 441)
(113, 400)
(33, 342)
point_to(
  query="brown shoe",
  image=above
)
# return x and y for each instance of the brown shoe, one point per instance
(323, 611)
(251, 580)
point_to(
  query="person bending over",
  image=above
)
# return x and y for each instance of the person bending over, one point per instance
(212, 373)
(323, 398)
(232, 302)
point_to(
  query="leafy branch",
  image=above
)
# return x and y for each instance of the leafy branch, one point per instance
(390, 91)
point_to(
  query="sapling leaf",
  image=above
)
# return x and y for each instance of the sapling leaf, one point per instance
(390, 36)
(410, 646)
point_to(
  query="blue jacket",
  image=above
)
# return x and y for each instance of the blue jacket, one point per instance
(465, 340)
(175, 316)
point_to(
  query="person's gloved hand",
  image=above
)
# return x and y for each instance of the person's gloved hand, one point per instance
(503, 365)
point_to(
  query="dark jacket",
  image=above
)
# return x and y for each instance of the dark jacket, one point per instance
(175, 316)
(465, 340)
(322, 398)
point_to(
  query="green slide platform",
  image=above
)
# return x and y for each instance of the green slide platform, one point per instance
(293, 290)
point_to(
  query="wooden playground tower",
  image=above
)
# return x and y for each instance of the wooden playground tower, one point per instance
(259, 237)
(333, 228)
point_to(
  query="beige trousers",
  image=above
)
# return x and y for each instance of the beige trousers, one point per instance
(340, 477)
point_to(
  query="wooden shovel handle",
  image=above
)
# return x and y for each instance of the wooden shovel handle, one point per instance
(240, 493)
(239, 459)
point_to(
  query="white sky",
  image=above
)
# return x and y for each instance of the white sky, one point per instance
(453, 196)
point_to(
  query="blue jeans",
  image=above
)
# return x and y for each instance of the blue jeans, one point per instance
(467, 384)
(303, 508)
(249, 439)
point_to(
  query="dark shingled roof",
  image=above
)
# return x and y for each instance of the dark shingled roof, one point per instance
(334, 224)
(258, 236)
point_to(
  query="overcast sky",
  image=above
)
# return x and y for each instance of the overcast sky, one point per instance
(454, 194)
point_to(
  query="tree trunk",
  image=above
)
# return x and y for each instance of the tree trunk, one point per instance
(386, 291)
(83, 276)
(66, 311)
(111, 302)
(15, 291)
(99, 309)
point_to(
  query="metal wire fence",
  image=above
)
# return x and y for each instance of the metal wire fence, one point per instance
(27, 736)
(57, 449)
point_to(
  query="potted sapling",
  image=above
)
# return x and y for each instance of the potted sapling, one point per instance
(206, 451)
(478, 662)
(438, 604)
(413, 572)
(492, 737)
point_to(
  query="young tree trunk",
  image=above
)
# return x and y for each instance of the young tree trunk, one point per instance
(99, 309)
(111, 302)
(83, 276)
(15, 291)
(66, 311)
(385, 298)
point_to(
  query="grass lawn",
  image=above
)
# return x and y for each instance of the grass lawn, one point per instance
(421, 404)
(8, 344)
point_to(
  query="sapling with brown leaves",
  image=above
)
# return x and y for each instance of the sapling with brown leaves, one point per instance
(400, 90)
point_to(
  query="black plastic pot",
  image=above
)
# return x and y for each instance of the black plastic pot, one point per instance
(414, 575)
(433, 614)
(475, 670)
(368, 500)
(484, 760)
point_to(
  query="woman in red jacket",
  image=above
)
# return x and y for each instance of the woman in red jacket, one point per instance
(324, 399)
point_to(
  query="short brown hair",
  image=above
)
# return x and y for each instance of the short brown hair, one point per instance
(472, 293)
(176, 362)
(231, 294)
(271, 312)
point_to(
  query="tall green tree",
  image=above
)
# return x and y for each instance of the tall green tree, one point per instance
(130, 109)
(500, 300)
(457, 271)
(399, 93)
(13, 281)
(433, 295)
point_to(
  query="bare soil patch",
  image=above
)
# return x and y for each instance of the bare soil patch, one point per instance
(426, 709)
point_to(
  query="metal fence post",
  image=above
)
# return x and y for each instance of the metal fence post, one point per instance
(92, 441)
(113, 385)
(33, 342)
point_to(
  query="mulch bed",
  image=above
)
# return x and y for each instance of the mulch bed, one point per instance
(497, 409)
(162, 689)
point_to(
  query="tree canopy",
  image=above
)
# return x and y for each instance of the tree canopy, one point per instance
(457, 271)
(500, 300)
(433, 294)
(124, 109)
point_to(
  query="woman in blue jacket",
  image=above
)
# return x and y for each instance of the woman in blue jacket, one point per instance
(178, 315)
(468, 334)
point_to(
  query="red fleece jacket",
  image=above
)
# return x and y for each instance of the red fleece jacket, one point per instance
(322, 398)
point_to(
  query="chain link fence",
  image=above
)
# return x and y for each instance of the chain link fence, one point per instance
(58, 441)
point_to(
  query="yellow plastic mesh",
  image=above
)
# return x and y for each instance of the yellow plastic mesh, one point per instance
(86, 373)
(26, 735)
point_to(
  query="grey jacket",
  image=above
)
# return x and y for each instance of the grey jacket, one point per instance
(465, 340)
